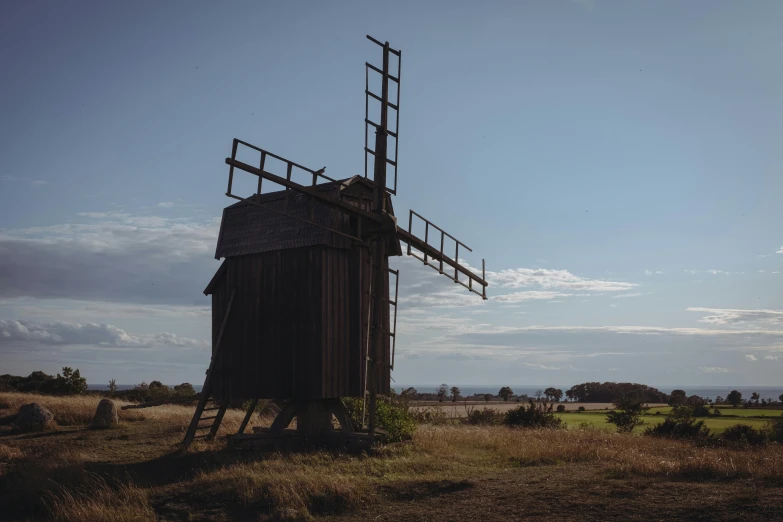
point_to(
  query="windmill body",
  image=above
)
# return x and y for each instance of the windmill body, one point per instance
(303, 311)
(296, 329)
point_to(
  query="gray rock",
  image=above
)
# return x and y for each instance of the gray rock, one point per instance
(33, 417)
(106, 415)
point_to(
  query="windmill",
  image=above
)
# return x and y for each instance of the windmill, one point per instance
(302, 303)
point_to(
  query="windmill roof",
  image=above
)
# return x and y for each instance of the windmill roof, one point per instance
(247, 228)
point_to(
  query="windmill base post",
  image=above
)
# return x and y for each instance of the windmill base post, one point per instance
(314, 428)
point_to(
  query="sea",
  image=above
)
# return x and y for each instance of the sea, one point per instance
(708, 392)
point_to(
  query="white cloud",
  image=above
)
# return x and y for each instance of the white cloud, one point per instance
(90, 334)
(727, 316)
(771, 358)
(553, 279)
(711, 271)
(166, 204)
(780, 251)
(713, 369)
(750, 357)
(531, 295)
(110, 256)
(33, 182)
(620, 296)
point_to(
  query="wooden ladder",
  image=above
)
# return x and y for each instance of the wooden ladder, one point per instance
(219, 407)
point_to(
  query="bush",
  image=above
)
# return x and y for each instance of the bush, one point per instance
(434, 415)
(532, 416)
(628, 414)
(560, 408)
(744, 435)
(484, 416)
(680, 428)
(580, 408)
(391, 416)
(775, 430)
(716, 412)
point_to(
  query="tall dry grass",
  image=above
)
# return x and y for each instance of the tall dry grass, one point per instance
(622, 453)
(76, 410)
(100, 500)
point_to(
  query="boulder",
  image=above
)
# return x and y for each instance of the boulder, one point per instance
(106, 415)
(33, 417)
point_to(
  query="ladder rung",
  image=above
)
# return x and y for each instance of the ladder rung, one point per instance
(390, 133)
(201, 436)
(208, 418)
(391, 302)
(374, 68)
(203, 427)
(212, 409)
(390, 104)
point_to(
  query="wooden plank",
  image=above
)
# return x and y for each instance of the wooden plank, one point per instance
(327, 200)
(429, 251)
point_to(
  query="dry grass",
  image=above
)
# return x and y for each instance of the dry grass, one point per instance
(9, 453)
(132, 473)
(79, 410)
(644, 456)
(100, 500)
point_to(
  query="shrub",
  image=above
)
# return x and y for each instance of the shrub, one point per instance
(560, 408)
(580, 408)
(391, 416)
(744, 435)
(775, 430)
(184, 390)
(532, 416)
(628, 414)
(680, 428)
(484, 416)
(435, 415)
(716, 412)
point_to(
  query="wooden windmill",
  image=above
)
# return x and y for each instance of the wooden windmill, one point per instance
(301, 305)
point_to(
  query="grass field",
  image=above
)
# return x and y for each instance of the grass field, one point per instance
(598, 420)
(445, 473)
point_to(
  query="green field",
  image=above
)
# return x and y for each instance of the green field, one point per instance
(729, 411)
(597, 419)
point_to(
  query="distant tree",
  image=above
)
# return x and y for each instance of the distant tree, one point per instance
(454, 393)
(184, 390)
(539, 394)
(70, 382)
(560, 408)
(506, 393)
(488, 397)
(442, 391)
(734, 398)
(158, 390)
(112, 387)
(780, 398)
(755, 397)
(553, 394)
(677, 397)
(409, 393)
(718, 400)
(628, 413)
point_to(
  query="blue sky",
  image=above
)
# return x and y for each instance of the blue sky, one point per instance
(616, 163)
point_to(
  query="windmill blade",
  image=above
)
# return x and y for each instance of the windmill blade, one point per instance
(431, 253)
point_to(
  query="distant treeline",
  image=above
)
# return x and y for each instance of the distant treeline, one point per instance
(612, 391)
(70, 382)
(585, 392)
